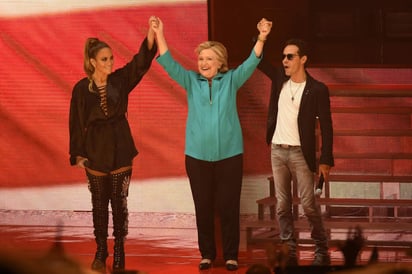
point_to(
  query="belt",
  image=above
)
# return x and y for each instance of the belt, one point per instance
(286, 146)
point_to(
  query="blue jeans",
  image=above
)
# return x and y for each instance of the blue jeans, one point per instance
(288, 164)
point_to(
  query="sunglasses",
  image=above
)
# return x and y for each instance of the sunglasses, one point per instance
(289, 56)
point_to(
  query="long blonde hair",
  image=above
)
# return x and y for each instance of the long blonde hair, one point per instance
(220, 51)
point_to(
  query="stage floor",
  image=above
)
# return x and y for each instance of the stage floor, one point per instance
(157, 243)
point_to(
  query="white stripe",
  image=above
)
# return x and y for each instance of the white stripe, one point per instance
(170, 194)
(36, 7)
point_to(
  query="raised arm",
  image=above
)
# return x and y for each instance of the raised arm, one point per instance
(157, 27)
(264, 26)
(150, 33)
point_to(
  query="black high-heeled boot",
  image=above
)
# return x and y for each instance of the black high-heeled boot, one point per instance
(99, 262)
(118, 255)
(120, 191)
(100, 189)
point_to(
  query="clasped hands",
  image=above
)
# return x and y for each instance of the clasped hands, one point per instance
(264, 26)
(155, 23)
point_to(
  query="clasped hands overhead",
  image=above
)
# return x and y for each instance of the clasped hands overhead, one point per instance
(264, 26)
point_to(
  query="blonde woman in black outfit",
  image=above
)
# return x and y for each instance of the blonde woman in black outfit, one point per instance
(101, 140)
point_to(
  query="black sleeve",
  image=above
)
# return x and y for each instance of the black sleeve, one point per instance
(267, 68)
(138, 66)
(326, 127)
(76, 126)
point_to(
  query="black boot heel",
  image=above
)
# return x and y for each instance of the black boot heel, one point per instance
(98, 186)
(120, 190)
(99, 262)
(118, 256)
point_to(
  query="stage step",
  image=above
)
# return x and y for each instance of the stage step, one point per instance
(262, 231)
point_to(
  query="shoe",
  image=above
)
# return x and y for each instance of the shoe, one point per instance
(205, 264)
(99, 262)
(99, 266)
(321, 260)
(231, 265)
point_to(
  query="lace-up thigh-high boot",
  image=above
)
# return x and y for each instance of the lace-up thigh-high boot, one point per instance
(100, 191)
(120, 191)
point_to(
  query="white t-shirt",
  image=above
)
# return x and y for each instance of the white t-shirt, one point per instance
(287, 131)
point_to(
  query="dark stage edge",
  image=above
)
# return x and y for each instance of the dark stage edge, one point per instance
(157, 243)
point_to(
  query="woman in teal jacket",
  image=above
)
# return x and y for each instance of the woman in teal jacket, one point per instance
(214, 143)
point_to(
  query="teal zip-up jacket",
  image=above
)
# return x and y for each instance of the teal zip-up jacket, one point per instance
(213, 130)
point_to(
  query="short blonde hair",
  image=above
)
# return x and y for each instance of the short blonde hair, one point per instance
(220, 51)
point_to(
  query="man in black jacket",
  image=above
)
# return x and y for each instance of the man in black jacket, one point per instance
(297, 103)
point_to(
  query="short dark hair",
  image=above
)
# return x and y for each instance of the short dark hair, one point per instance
(302, 46)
